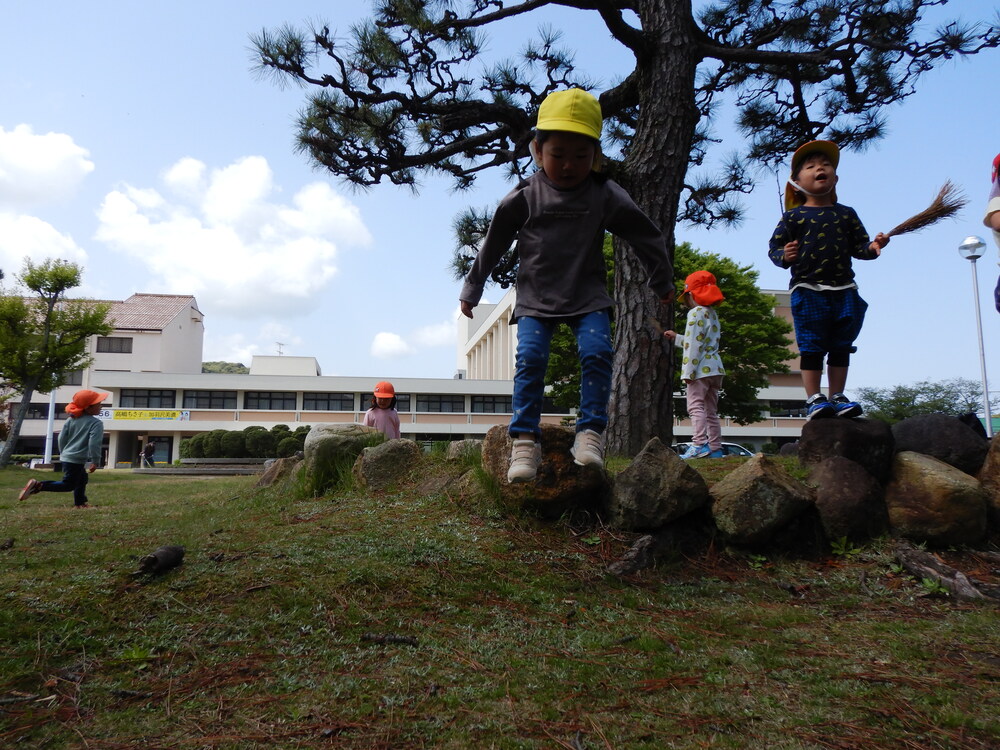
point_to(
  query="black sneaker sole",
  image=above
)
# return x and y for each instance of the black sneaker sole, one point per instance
(854, 411)
(824, 413)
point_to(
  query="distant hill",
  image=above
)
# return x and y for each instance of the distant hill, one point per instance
(228, 368)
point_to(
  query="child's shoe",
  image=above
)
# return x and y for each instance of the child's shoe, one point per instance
(696, 451)
(719, 453)
(30, 488)
(525, 458)
(818, 406)
(845, 407)
(588, 449)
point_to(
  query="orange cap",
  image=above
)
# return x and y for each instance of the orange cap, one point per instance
(83, 400)
(702, 288)
(384, 390)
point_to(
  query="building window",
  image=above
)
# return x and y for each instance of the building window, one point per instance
(138, 398)
(269, 400)
(73, 378)
(491, 404)
(402, 401)
(328, 402)
(114, 344)
(430, 403)
(41, 411)
(549, 406)
(209, 399)
(787, 409)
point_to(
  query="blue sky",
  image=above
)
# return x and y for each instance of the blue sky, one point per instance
(135, 140)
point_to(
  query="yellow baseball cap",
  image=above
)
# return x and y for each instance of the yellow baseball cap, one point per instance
(573, 111)
(829, 149)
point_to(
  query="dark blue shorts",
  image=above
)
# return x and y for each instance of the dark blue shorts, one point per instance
(827, 321)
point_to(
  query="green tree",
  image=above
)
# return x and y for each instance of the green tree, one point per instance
(43, 337)
(754, 340)
(408, 93)
(235, 368)
(895, 403)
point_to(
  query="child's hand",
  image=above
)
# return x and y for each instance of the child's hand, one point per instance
(466, 308)
(880, 241)
(670, 336)
(792, 251)
(91, 467)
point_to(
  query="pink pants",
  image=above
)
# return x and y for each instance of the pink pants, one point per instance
(702, 406)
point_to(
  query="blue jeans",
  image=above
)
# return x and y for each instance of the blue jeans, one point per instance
(74, 480)
(593, 340)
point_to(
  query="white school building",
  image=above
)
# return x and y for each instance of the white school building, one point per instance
(151, 366)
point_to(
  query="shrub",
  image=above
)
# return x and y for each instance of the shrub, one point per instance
(771, 449)
(288, 446)
(260, 443)
(234, 445)
(195, 446)
(213, 444)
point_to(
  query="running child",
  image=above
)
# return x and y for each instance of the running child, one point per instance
(80, 449)
(816, 238)
(559, 216)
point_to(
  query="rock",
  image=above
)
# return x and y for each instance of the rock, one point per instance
(849, 500)
(656, 488)
(560, 486)
(382, 466)
(330, 451)
(868, 442)
(277, 469)
(754, 501)
(989, 478)
(789, 449)
(459, 450)
(160, 561)
(945, 438)
(931, 501)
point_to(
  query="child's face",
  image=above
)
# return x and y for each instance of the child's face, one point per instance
(817, 175)
(382, 402)
(567, 158)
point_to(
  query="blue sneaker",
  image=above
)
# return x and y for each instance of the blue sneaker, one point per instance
(696, 451)
(819, 407)
(845, 407)
(717, 454)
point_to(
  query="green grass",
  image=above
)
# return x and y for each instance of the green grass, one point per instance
(416, 620)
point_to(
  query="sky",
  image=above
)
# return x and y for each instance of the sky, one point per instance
(137, 141)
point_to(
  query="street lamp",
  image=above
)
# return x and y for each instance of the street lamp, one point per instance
(972, 250)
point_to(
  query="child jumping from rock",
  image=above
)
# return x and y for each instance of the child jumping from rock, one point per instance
(701, 366)
(80, 448)
(383, 415)
(817, 237)
(559, 216)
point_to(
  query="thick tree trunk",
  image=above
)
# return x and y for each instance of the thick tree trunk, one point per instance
(15, 427)
(642, 384)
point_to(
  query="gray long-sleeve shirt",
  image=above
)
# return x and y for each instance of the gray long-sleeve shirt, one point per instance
(560, 239)
(80, 440)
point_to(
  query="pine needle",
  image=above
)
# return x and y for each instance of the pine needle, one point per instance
(949, 201)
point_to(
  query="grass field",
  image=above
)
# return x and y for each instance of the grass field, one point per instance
(426, 618)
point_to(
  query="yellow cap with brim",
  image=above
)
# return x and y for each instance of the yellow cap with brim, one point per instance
(572, 111)
(829, 149)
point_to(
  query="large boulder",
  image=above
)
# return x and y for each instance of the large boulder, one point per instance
(989, 477)
(849, 500)
(382, 466)
(330, 451)
(277, 470)
(560, 485)
(755, 501)
(868, 442)
(459, 450)
(656, 488)
(931, 501)
(945, 438)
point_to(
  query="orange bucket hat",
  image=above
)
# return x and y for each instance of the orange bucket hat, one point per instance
(83, 400)
(384, 389)
(702, 288)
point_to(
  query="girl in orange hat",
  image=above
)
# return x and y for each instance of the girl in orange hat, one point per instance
(992, 219)
(383, 415)
(701, 366)
(80, 448)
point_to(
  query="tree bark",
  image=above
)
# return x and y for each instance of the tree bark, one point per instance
(641, 405)
(16, 421)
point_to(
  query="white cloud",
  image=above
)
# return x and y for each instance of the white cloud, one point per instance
(389, 346)
(29, 237)
(36, 169)
(224, 239)
(238, 347)
(439, 334)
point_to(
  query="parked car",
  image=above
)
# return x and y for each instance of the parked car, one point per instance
(729, 449)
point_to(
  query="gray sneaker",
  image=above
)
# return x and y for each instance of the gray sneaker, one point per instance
(525, 458)
(588, 449)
